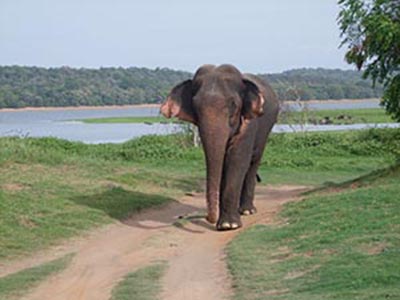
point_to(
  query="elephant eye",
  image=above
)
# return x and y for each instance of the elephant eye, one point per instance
(232, 107)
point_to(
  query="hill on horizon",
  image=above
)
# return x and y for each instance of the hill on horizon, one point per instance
(22, 86)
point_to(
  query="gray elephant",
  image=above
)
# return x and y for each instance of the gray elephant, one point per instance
(235, 113)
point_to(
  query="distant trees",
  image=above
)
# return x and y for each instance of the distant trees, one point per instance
(323, 84)
(33, 86)
(371, 30)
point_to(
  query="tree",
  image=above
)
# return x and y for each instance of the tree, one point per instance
(371, 31)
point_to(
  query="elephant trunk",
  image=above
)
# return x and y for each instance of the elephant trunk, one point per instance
(214, 139)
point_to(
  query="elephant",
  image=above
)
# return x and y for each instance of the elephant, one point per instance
(234, 113)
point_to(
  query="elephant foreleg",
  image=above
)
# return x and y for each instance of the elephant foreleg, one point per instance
(236, 164)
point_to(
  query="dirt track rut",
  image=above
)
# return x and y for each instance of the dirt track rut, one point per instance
(193, 249)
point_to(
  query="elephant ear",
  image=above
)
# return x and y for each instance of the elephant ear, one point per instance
(253, 101)
(179, 103)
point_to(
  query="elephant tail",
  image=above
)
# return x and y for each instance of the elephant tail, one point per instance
(258, 178)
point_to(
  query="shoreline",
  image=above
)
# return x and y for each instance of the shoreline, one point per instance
(83, 107)
(58, 108)
(334, 101)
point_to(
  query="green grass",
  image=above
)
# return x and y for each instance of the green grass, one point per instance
(15, 285)
(340, 116)
(351, 116)
(144, 284)
(344, 245)
(320, 158)
(52, 189)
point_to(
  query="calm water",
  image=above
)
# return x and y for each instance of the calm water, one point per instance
(61, 124)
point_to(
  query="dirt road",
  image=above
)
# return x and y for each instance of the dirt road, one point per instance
(192, 248)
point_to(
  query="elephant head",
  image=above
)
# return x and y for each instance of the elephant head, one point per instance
(219, 100)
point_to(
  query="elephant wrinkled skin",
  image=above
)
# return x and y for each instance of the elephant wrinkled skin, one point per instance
(235, 113)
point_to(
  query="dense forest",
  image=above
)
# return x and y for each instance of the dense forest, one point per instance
(322, 84)
(34, 86)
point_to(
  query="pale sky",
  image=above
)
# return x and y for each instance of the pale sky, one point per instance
(260, 36)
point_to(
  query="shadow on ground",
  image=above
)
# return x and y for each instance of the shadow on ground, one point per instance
(128, 207)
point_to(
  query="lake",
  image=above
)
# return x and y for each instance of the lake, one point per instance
(61, 123)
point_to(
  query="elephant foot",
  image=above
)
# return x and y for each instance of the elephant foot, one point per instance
(247, 211)
(212, 217)
(228, 225)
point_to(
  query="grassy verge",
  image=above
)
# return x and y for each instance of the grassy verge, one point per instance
(341, 116)
(15, 285)
(143, 284)
(344, 245)
(322, 158)
(53, 189)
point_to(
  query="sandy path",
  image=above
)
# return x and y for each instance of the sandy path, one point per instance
(193, 249)
(198, 270)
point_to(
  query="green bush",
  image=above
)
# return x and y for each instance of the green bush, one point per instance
(54, 151)
(155, 148)
(283, 150)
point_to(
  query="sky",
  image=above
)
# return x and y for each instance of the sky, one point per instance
(261, 36)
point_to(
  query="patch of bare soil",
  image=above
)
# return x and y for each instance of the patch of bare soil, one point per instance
(13, 187)
(193, 249)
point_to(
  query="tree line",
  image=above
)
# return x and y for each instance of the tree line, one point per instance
(322, 84)
(35, 86)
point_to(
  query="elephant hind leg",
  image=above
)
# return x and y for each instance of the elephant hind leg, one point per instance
(247, 195)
